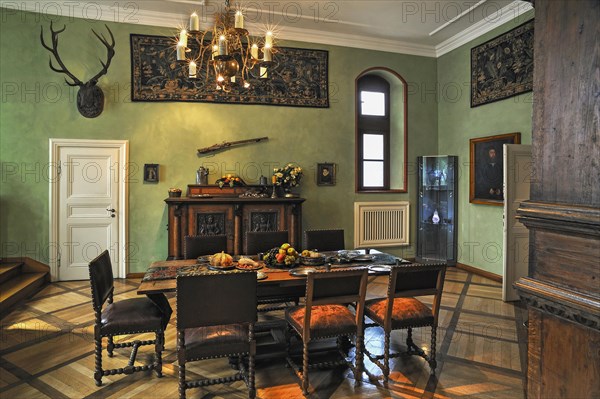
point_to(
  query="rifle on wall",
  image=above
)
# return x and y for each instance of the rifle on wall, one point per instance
(227, 144)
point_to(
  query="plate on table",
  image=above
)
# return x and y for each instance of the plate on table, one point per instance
(258, 266)
(363, 258)
(380, 268)
(203, 258)
(313, 261)
(222, 268)
(261, 276)
(302, 271)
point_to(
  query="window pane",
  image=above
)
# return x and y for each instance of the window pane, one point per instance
(373, 174)
(373, 146)
(373, 103)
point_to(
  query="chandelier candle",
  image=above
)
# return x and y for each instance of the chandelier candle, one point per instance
(254, 51)
(180, 51)
(183, 37)
(192, 69)
(222, 45)
(269, 39)
(267, 53)
(239, 20)
(194, 23)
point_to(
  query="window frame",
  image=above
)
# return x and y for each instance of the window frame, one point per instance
(370, 124)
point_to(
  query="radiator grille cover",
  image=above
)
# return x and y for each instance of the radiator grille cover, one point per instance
(381, 224)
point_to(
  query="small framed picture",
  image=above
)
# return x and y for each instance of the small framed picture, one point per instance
(326, 174)
(151, 173)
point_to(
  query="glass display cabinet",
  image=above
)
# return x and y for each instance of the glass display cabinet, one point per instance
(437, 208)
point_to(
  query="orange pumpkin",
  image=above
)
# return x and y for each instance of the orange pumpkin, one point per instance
(221, 259)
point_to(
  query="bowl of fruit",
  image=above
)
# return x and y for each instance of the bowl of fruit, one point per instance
(312, 258)
(284, 256)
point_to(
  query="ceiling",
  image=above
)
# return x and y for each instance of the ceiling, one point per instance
(428, 27)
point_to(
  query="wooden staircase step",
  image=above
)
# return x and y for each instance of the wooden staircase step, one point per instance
(19, 288)
(9, 270)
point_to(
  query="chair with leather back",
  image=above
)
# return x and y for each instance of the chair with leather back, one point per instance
(216, 313)
(125, 317)
(195, 246)
(262, 241)
(324, 240)
(326, 315)
(399, 310)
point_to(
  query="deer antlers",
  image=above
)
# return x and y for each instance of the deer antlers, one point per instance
(110, 53)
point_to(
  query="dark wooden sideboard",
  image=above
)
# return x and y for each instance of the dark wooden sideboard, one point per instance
(224, 212)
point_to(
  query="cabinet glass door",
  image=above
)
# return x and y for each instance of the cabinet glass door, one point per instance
(436, 213)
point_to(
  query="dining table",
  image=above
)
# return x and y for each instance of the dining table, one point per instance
(160, 276)
(273, 283)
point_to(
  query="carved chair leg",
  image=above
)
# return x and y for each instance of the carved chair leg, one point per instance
(158, 348)
(386, 358)
(251, 377)
(432, 361)
(409, 341)
(359, 359)
(98, 360)
(110, 346)
(305, 369)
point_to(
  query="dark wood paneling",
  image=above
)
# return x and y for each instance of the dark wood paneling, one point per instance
(576, 347)
(563, 290)
(566, 150)
(571, 261)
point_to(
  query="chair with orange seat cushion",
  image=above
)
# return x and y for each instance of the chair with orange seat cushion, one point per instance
(326, 315)
(399, 310)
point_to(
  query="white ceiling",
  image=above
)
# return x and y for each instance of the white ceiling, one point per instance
(426, 27)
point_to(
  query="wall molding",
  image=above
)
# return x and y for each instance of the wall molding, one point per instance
(560, 302)
(107, 12)
(483, 273)
(564, 218)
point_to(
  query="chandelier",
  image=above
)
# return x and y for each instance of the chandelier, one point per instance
(226, 53)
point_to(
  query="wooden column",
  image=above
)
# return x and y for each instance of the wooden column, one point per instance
(562, 290)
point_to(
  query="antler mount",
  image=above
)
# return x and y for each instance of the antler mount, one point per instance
(90, 98)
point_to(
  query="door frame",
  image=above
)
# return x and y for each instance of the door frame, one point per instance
(509, 267)
(53, 248)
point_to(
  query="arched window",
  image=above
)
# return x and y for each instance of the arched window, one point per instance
(380, 131)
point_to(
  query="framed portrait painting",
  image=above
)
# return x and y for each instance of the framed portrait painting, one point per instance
(486, 177)
(151, 173)
(326, 174)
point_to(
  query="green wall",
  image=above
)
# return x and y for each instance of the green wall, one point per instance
(479, 226)
(36, 105)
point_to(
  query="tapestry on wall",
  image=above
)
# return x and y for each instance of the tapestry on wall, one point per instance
(300, 77)
(502, 67)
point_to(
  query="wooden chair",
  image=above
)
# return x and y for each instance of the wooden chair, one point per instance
(262, 241)
(216, 313)
(326, 315)
(399, 310)
(324, 240)
(195, 246)
(129, 316)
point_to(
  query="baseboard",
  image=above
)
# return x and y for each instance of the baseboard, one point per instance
(135, 275)
(483, 273)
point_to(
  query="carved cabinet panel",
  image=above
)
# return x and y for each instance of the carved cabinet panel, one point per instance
(233, 217)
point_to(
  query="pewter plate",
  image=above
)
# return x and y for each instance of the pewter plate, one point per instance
(363, 258)
(261, 275)
(380, 268)
(302, 271)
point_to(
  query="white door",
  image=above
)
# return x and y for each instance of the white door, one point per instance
(517, 179)
(88, 206)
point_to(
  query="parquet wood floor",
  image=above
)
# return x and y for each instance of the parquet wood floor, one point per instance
(46, 351)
